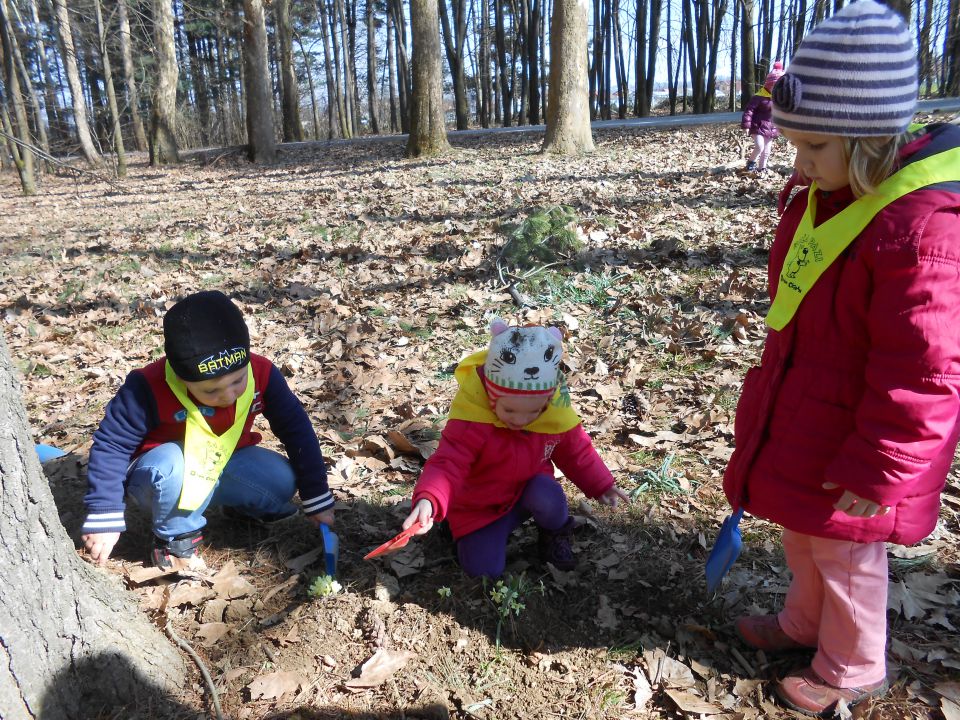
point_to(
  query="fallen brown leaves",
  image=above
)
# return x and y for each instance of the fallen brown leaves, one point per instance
(365, 278)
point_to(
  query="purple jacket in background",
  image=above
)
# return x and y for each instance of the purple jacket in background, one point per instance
(758, 116)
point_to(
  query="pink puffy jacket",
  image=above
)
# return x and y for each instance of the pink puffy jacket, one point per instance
(479, 471)
(862, 387)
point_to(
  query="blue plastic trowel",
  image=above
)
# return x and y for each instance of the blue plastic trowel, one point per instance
(725, 550)
(331, 549)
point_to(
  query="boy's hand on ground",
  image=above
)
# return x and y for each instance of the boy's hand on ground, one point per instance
(613, 496)
(854, 505)
(100, 545)
(325, 517)
(422, 511)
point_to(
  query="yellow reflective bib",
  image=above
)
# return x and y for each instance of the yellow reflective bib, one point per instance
(205, 453)
(813, 249)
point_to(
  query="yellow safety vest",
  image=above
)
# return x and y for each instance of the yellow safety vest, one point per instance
(205, 453)
(813, 249)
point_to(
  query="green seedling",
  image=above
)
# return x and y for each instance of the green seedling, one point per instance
(322, 586)
(444, 592)
(509, 598)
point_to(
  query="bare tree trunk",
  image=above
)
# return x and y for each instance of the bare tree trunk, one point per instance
(69, 59)
(349, 83)
(485, 95)
(372, 103)
(951, 51)
(290, 102)
(111, 93)
(24, 163)
(391, 76)
(129, 76)
(568, 108)
(533, 61)
(31, 93)
(54, 112)
(403, 65)
(86, 648)
(329, 66)
(506, 98)
(260, 135)
(748, 71)
(428, 132)
(453, 41)
(163, 124)
(313, 92)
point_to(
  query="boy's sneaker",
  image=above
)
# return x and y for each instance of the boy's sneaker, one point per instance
(808, 693)
(167, 554)
(554, 546)
(763, 632)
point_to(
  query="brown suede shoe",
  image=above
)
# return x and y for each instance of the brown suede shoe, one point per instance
(808, 693)
(762, 632)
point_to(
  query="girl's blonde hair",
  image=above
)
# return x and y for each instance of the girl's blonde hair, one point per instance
(871, 160)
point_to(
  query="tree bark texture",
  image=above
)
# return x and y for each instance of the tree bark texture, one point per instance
(24, 163)
(372, 102)
(568, 102)
(428, 132)
(129, 76)
(72, 643)
(292, 127)
(260, 135)
(163, 126)
(73, 79)
(111, 93)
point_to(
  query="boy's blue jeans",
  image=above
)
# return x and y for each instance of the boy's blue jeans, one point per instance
(256, 481)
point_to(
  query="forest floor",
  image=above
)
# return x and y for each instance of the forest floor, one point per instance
(366, 277)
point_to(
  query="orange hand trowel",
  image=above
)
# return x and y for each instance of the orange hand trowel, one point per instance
(394, 544)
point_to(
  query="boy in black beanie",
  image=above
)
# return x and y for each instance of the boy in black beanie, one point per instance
(178, 438)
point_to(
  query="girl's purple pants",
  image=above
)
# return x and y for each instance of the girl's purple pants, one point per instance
(484, 552)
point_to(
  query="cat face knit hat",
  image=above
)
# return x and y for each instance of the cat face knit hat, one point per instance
(776, 72)
(854, 75)
(204, 337)
(522, 361)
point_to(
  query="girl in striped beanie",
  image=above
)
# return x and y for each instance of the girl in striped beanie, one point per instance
(510, 423)
(847, 429)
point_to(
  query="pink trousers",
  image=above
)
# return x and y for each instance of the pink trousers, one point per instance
(760, 150)
(837, 602)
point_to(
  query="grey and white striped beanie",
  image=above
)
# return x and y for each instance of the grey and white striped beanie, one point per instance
(855, 75)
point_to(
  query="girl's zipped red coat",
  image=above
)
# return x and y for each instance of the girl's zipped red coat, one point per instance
(862, 387)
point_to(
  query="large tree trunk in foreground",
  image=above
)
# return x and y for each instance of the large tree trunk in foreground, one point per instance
(428, 131)
(72, 644)
(568, 102)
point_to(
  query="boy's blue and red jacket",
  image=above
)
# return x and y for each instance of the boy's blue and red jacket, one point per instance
(145, 413)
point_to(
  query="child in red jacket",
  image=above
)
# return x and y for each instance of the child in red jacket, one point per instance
(510, 422)
(845, 433)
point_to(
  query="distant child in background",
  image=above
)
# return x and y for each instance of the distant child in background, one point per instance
(757, 121)
(510, 423)
(845, 433)
(178, 438)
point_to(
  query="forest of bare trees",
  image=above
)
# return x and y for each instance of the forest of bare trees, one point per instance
(99, 77)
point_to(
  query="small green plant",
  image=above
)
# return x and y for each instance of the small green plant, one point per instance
(546, 236)
(663, 480)
(444, 592)
(509, 598)
(322, 586)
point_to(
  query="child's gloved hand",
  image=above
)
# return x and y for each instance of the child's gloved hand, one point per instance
(854, 505)
(100, 545)
(613, 496)
(422, 511)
